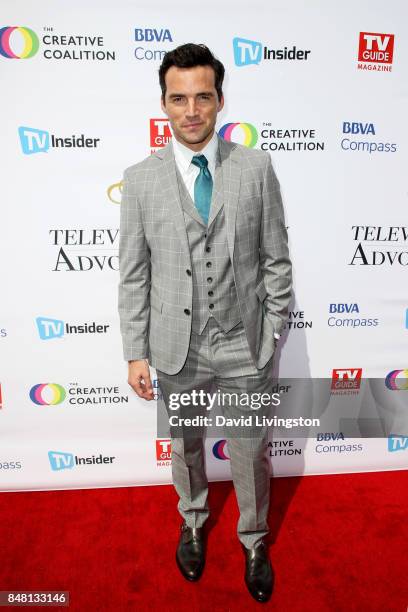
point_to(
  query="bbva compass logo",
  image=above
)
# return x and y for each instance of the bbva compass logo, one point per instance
(249, 132)
(219, 450)
(47, 394)
(18, 42)
(397, 380)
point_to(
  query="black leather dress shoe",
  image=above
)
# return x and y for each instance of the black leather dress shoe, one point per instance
(259, 576)
(190, 554)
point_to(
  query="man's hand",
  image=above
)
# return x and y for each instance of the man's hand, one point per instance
(139, 378)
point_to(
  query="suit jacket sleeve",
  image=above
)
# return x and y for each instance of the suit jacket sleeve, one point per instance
(274, 253)
(134, 285)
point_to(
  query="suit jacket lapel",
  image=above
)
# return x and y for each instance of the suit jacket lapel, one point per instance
(231, 179)
(186, 202)
(217, 199)
(169, 185)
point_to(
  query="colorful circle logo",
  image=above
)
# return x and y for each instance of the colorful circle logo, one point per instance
(47, 394)
(397, 380)
(29, 39)
(250, 133)
(219, 450)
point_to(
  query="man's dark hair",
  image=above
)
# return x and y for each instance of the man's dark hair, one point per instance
(188, 56)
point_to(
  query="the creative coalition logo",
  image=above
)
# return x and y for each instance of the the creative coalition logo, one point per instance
(95, 396)
(360, 138)
(297, 320)
(272, 138)
(75, 248)
(66, 461)
(48, 329)
(33, 141)
(23, 43)
(47, 394)
(160, 134)
(375, 51)
(18, 42)
(163, 452)
(397, 380)
(347, 314)
(248, 52)
(335, 437)
(283, 448)
(151, 35)
(397, 443)
(346, 381)
(219, 450)
(289, 139)
(247, 130)
(380, 245)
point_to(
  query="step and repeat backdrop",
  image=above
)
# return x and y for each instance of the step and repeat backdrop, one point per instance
(320, 86)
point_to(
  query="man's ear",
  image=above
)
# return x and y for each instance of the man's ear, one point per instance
(220, 103)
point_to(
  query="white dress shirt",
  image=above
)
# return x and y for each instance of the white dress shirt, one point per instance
(189, 172)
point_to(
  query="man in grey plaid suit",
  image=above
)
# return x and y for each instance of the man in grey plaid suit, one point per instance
(205, 284)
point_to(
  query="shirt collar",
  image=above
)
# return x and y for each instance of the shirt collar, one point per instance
(184, 155)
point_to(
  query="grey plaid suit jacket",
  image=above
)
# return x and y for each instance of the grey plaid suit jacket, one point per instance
(155, 288)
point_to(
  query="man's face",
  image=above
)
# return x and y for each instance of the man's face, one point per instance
(192, 104)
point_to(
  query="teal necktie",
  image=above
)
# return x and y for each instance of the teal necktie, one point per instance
(202, 187)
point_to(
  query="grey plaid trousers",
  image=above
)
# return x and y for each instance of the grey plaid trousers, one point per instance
(221, 360)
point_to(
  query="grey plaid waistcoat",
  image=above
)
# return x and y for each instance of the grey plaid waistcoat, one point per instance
(214, 291)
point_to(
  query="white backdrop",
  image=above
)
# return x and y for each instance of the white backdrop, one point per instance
(337, 132)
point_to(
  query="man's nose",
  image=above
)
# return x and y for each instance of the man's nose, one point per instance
(191, 109)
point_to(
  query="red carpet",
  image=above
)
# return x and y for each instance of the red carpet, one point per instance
(340, 544)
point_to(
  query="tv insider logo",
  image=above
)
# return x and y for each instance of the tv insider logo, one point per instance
(248, 52)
